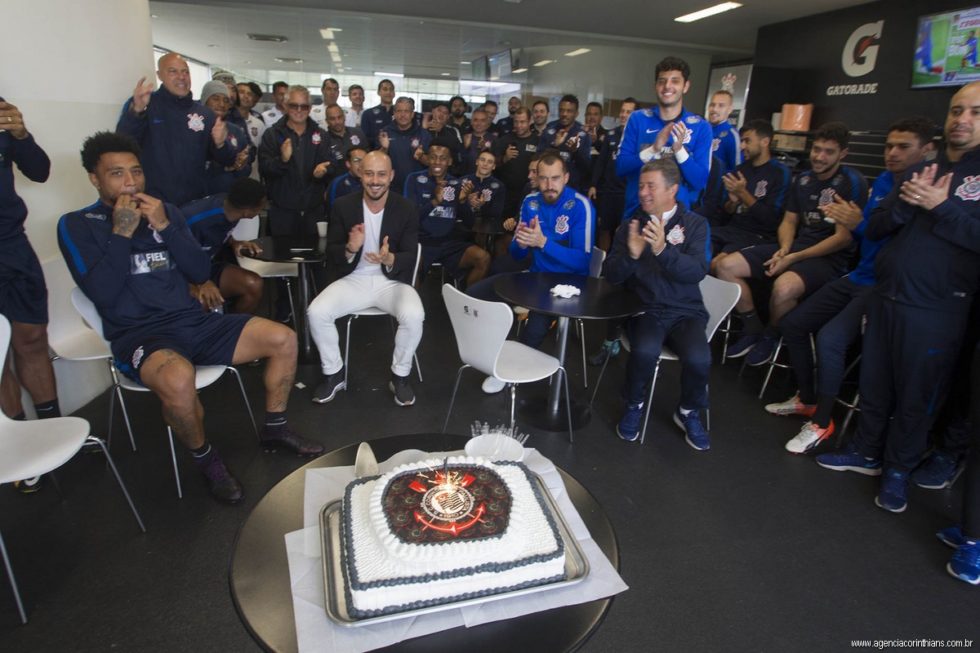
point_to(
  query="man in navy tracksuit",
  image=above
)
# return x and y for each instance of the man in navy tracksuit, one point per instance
(351, 181)
(405, 142)
(211, 221)
(661, 253)
(177, 134)
(483, 207)
(927, 276)
(725, 139)
(608, 189)
(573, 143)
(478, 139)
(23, 294)
(340, 139)
(835, 312)
(375, 119)
(216, 96)
(667, 130)
(134, 256)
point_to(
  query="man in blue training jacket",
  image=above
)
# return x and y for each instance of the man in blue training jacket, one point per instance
(724, 142)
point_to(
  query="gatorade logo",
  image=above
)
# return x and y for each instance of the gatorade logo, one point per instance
(861, 50)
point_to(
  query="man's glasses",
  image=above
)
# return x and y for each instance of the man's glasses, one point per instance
(298, 107)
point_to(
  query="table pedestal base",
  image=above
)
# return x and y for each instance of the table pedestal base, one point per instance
(532, 409)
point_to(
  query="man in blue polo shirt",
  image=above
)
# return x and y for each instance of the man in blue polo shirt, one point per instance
(667, 130)
(349, 182)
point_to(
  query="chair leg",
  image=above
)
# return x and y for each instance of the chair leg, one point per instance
(847, 418)
(248, 406)
(772, 366)
(112, 408)
(350, 319)
(122, 486)
(513, 406)
(292, 306)
(646, 415)
(418, 368)
(707, 410)
(568, 405)
(598, 380)
(724, 344)
(173, 458)
(585, 367)
(452, 399)
(13, 582)
(122, 405)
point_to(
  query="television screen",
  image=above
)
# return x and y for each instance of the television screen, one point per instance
(479, 69)
(500, 65)
(946, 49)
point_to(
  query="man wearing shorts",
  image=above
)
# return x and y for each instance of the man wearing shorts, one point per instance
(133, 256)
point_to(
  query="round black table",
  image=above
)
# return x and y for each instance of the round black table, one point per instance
(599, 300)
(304, 251)
(259, 572)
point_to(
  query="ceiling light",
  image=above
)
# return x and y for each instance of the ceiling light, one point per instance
(465, 63)
(518, 71)
(710, 11)
(543, 62)
(444, 74)
(333, 48)
(575, 53)
(274, 38)
(335, 57)
(379, 73)
(289, 60)
(153, 16)
(326, 34)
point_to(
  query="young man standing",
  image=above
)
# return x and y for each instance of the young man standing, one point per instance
(724, 143)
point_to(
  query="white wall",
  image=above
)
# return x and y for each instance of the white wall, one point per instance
(68, 66)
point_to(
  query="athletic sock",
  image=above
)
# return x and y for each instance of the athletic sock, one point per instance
(48, 409)
(751, 324)
(203, 454)
(274, 422)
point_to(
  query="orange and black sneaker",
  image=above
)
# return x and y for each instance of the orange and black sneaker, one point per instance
(792, 406)
(809, 437)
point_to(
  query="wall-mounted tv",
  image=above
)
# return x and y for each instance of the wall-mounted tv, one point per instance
(946, 49)
(500, 65)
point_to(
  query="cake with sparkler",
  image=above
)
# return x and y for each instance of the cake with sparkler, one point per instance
(441, 531)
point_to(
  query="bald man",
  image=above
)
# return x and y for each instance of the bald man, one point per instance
(928, 275)
(177, 135)
(373, 243)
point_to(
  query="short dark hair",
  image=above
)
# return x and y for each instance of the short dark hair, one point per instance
(439, 104)
(568, 98)
(594, 104)
(440, 142)
(487, 103)
(246, 193)
(630, 100)
(457, 97)
(384, 81)
(724, 91)
(355, 147)
(104, 142)
(276, 85)
(550, 157)
(537, 102)
(672, 63)
(666, 167)
(353, 87)
(921, 126)
(329, 79)
(256, 90)
(834, 131)
(523, 110)
(762, 128)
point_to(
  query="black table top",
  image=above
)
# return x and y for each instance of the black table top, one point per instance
(259, 572)
(291, 249)
(600, 300)
(487, 226)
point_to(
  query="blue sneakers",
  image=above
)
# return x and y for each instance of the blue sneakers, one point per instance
(951, 536)
(849, 459)
(893, 493)
(694, 432)
(744, 345)
(629, 426)
(762, 351)
(965, 563)
(940, 470)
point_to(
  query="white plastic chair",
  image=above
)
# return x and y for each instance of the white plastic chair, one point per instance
(481, 329)
(368, 312)
(35, 447)
(248, 229)
(205, 376)
(719, 299)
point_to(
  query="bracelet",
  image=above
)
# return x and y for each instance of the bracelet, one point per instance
(349, 253)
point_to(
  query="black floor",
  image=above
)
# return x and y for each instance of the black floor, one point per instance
(743, 548)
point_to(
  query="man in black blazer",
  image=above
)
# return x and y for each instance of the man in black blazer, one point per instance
(373, 243)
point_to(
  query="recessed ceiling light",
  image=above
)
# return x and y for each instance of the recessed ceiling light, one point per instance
(465, 63)
(274, 38)
(153, 16)
(289, 60)
(710, 11)
(543, 62)
(213, 45)
(444, 74)
(575, 53)
(379, 73)
(328, 32)
(518, 71)
(333, 48)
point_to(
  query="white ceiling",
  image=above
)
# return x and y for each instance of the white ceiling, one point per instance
(380, 35)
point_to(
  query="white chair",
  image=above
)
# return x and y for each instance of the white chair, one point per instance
(595, 271)
(248, 229)
(719, 299)
(368, 312)
(481, 329)
(35, 447)
(205, 376)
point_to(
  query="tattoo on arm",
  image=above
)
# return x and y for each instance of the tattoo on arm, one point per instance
(125, 221)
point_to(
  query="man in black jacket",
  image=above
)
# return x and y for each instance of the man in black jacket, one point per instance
(373, 244)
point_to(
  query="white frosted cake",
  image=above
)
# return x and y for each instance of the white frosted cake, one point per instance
(440, 531)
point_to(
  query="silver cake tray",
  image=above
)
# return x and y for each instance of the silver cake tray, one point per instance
(576, 569)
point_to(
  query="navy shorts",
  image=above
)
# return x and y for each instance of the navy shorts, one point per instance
(610, 208)
(728, 238)
(23, 294)
(449, 254)
(815, 272)
(203, 338)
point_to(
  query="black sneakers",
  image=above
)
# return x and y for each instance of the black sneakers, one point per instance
(223, 486)
(282, 436)
(329, 387)
(402, 389)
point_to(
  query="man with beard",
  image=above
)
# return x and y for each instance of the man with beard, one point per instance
(506, 125)
(353, 115)
(458, 119)
(539, 117)
(340, 139)
(404, 141)
(725, 140)
(177, 135)
(373, 243)
(567, 136)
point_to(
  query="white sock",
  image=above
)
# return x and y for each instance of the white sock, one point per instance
(684, 411)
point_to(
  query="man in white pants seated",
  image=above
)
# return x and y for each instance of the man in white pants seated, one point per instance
(372, 242)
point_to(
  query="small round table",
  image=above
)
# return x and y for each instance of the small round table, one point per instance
(259, 572)
(599, 300)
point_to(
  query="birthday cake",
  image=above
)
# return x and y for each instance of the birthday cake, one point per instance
(440, 531)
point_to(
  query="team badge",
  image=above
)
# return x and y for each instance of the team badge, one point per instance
(415, 143)
(568, 205)
(195, 122)
(826, 197)
(692, 120)
(723, 134)
(95, 216)
(561, 225)
(676, 235)
(448, 194)
(422, 179)
(486, 145)
(760, 188)
(969, 190)
(138, 356)
(316, 138)
(254, 131)
(486, 195)
(715, 142)
(530, 148)
(804, 180)
(533, 205)
(494, 185)
(355, 139)
(234, 141)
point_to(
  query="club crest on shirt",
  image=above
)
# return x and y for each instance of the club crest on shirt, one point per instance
(486, 195)
(691, 120)
(530, 148)
(561, 225)
(569, 205)
(715, 142)
(826, 197)
(533, 205)
(494, 185)
(676, 235)
(234, 141)
(355, 139)
(138, 356)
(195, 122)
(760, 188)
(448, 194)
(422, 179)
(415, 143)
(254, 131)
(95, 216)
(551, 131)
(969, 190)
(156, 236)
